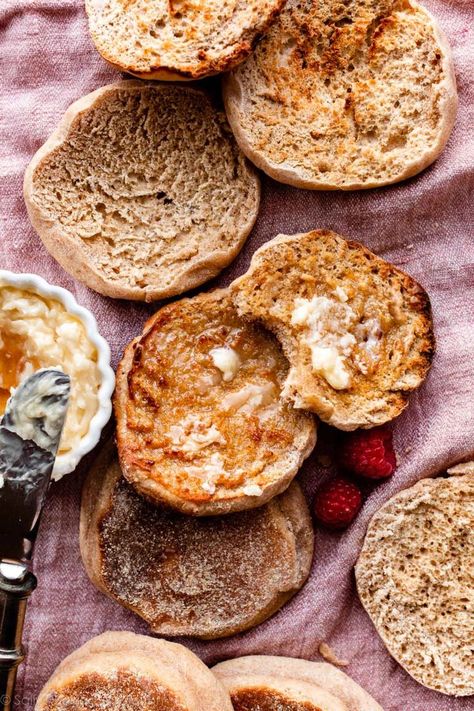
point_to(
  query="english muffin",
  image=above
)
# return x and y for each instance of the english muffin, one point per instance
(122, 670)
(186, 575)
(201, 426)
(356, 330)
(168, 205)
(345, 95)
(415, 579)
(178, 39)
(262, 683)
(461, 468)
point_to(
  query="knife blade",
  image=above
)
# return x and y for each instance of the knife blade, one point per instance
(30, 431)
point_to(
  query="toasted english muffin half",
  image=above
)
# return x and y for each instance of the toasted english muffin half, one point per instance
(178, 39)
(122, 670)
(345, 95)
(356, 330)
(201, 426)
(415, 579)
(141, 192)
(185, 575)
(265, 683)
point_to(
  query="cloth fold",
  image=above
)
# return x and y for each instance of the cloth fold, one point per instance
(424, 225)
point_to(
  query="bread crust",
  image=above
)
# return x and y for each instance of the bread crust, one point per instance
(461, 468)
(74, 259)
(201, 67)
(269, 672)
(119, 668)
(318, 263)
(413, 578)
(151, 469)
(234, 93)
(103, 522)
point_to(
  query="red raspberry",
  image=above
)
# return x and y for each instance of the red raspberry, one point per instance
(337, 503)
(368, 453)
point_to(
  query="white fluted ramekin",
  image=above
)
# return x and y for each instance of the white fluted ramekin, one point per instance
(67, 462)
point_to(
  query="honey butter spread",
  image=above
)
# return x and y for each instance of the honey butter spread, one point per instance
(227, 360)
(35, 333)
(336, 337)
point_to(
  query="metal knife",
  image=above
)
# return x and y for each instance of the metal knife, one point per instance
(30, 431)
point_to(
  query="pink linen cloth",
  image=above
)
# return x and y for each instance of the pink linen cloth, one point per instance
(424, 225)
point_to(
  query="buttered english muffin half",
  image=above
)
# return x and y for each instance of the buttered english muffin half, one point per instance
(201, 425)
(142, 192)
(263, 683)
(205, 577)
(345, 95)
(178, 39)
(122, 670)
(357, 331)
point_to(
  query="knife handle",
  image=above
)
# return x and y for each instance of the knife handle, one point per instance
(16, 585)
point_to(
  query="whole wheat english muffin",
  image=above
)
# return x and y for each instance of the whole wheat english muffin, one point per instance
(122, 670)
(262, 683)
(345, 95)
(178, 39)
(415, 579)
(187, 575)
(356, 330)
(142, 192)
(200, 423)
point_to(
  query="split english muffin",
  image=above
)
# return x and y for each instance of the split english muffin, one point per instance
(356, 330)
(169, 203)
(204, 577)
(345, 95)
(201, 426)
(178, 39)
(122, 670)
(414, 578)
(263, 683)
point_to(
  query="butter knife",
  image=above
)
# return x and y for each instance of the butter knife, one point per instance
(30, 431)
